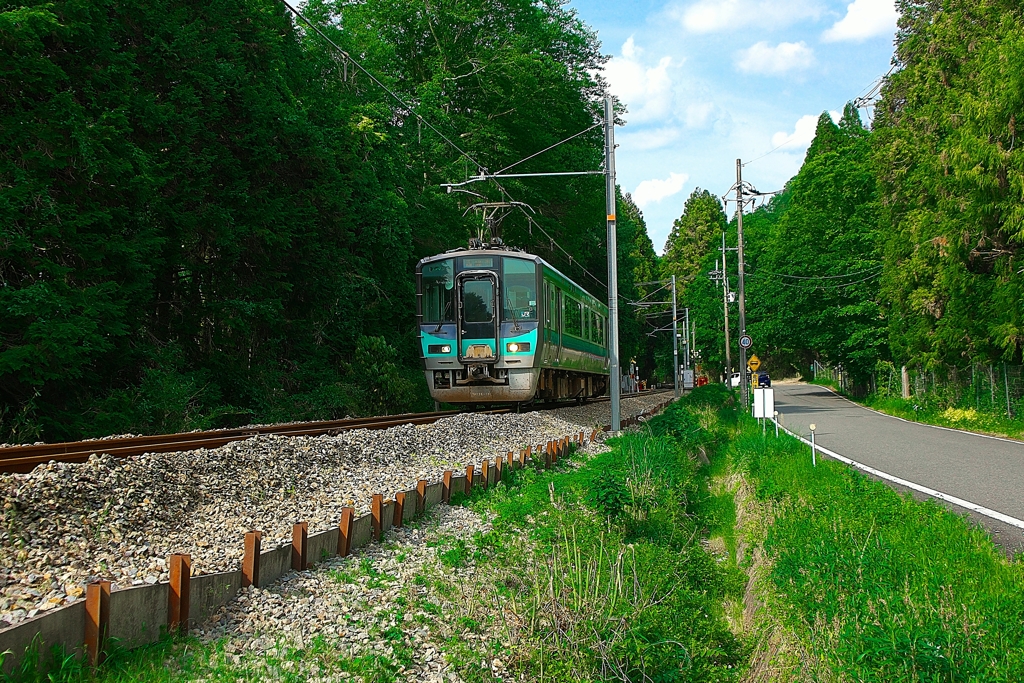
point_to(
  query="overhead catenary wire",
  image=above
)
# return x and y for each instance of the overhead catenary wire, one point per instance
(548, 149)
(448, 140)
(380, 84)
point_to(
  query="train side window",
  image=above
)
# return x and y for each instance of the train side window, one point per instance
(572, 316)
(549, 307)
(553, 306)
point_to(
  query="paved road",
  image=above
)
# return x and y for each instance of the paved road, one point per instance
(985, 471)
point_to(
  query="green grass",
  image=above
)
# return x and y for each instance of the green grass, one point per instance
(877, 586)
(598, 571)
(930, 411)
(942, 410)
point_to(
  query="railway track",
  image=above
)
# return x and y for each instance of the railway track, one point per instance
(25, 458)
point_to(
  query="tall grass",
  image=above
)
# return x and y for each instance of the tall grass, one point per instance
(876, 585)
(600, 571)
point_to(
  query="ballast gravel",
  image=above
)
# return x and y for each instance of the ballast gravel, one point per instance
(66, 524)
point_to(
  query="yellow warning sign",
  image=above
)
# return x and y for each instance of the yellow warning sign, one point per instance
(754, 363)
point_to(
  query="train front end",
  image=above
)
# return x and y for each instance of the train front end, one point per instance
(477, 314)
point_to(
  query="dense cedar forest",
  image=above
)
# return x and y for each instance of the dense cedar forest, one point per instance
(208, 216)
(898, 243)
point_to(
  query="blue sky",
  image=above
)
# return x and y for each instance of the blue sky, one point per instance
(710, 81)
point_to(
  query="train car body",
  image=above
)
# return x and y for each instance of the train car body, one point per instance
(503, 326)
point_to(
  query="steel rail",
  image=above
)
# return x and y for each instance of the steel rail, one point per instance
(26, 458)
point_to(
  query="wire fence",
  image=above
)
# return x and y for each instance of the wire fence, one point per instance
(836, 374)
(996, 388)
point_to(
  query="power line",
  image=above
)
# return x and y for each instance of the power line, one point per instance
(808, 285)
(873, 89)
(820, 277)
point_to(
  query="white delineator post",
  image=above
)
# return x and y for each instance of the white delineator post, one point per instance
(613, 264)
(814, 458)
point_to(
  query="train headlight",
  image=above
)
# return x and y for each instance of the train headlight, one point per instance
(513, 348)
(446, 349)
(517, 347)
(439, 348)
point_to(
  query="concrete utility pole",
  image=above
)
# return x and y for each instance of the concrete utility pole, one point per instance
(744, 383)
(725, 306)
(675, 341)
(689, 341)
(613, 264)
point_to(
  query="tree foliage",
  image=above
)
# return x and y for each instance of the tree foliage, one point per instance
(951, 183)
(208, 215)
(902, 242)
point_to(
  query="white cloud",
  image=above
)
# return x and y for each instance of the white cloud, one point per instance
(646, 90)
(762, 58)
(864, 19)
(653, 191)
(710, 16)
(803, 133)
(699, 115)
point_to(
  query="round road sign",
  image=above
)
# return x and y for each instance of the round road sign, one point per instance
(746, 342)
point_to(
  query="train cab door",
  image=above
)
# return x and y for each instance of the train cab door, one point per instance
(478, 317)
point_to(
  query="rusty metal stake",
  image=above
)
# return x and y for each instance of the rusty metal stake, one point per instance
(421, 497)
(469, 479)
(178, 594)
(446, 487)
(396, 521)
(345, 531)
(485, 473)
(498, 470)
(376, 512)
(251, 559)
(300, 534)
(97, 620)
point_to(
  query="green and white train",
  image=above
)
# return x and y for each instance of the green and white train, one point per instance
(500, 325)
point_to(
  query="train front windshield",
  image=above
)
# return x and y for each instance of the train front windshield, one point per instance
(519, 282)
(439, 292)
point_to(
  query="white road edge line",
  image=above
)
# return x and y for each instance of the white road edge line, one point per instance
(1012, 521)
(922, 424)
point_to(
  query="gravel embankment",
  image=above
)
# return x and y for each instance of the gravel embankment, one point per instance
(345, 613)
(66, 524)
